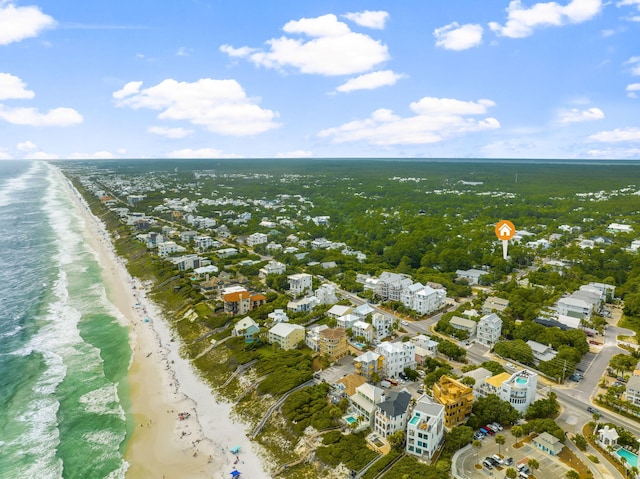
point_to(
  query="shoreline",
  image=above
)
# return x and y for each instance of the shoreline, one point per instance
(162, 384)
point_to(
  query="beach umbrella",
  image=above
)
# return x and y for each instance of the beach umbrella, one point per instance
(235, 449)
(234, 473)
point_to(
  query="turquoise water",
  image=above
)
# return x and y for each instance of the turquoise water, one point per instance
(64, 352)
(350, 419)
(631, 458)
(521, 380)
(415, 420)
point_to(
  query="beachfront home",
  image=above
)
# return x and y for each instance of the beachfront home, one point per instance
(333, 343)
(286, 335)
(312, 338)
(246, 328)
(391, 414)
(365, 401)
(425, 429)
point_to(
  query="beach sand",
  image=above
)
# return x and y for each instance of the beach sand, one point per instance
(163, 384)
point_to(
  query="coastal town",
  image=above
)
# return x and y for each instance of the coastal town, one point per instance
(514, 367)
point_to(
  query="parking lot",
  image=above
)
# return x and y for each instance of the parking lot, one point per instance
(549, 466)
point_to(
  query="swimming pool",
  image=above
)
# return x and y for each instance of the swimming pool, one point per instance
(415, 420)
(521, 380)
(632, 459)
(350, 419)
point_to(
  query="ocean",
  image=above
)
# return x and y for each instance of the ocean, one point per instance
(64, 348)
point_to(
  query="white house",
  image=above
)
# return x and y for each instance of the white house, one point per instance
(339, 310)
(390, 285)
(272, 267)
(489, 329)
(541, 352)
(520, 389)
(302, 305)
(313, 336)
(391, 414)
(423, 299)
(361, 328)
(300, 283)
(632, 392)
(278, 316)
(608, 436)
(425, 429)
(576, 307)
(619, 228)
(397, 356)
(366, 400)
(382, 325)
(256, 239)
(425, 347)
(471, 275)
(326, 294)
(204, 242)
(168, 248)
(347, 321)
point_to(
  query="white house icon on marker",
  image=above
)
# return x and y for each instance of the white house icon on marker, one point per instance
(505, 231)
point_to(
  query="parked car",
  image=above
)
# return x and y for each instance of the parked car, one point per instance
(479, 436)
(486, 463)
(497, 458)
(592, 410)
(508, 461)
(496, 426)
(490, 430)
(509, 366)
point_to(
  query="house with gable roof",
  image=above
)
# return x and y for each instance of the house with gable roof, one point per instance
(246, 328)
(391, 414)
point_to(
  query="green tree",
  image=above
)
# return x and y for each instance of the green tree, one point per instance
(457, 438)
(544, 408)
(517, 432)
(533, 464)
(500, 440)
(396, 440)
(491, 408)
(580, 442)
(572, 474)
(511, 473)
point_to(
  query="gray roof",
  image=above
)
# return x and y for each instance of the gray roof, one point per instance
(396, 404)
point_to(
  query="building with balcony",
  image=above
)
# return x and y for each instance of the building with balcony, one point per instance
(397, 356)
(489, 329)
(333, 343)
(520, 389)
(369, 363)
(456, 398)
(391, 414)
(286, 335)
(300, 284)
(425, 429)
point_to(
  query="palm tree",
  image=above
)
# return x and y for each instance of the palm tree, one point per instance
(517, 432)
(500, 440)
(477, 445)
(533, 464)
(634, 471)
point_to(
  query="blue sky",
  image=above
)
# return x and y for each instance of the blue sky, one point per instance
(302, 78)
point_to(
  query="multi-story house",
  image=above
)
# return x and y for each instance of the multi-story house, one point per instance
(286, 335)
(365, 401)
(632, 393)
(300, 284)
(423, 299)
(241, 302)
(369, 363)
(167, 248)
(520, 389)
(391, 414)
(425, 429)
(362, 329)
(347, 321)
(313, 337)
(390, 285)
(456, 398)
(204, 242)
(397, 357)
(246, 328)
(333, 343)
(464, 324)
(382, 325)
(326, 294)
(489, 329)
(272, 267)
(494, 304)
(256, 239)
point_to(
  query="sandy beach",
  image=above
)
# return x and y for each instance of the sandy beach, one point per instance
(163, 385)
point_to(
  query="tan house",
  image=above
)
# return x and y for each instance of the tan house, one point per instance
(286, 335)
(333, 343)
(456, 398)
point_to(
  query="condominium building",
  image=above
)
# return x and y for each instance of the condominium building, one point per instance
(456, 398)
(286, 335)
(397, 357)
(333, 343)
(369, 363)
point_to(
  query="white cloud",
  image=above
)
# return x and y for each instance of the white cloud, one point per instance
(635, 65)
(371, 81)
(4, 154)
(522, 21)
(199, 153)
(184, 52)
(32, 117)
(333, 49)
(41, 155)
(98, 155)
(26, 146)
(616, 136)
(171, 133)
(221, 106)
(18, 23)
(632, 89)
(295, 154)
(456, 37)
(436, 119)
(12, 87)
(614, 153)
(368, 18)
(575, 115)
